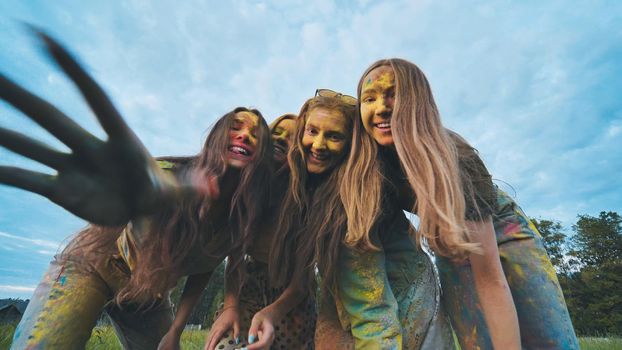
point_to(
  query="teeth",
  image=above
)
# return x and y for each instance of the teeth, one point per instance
(383, 125)
(239, 150)
(319, 156)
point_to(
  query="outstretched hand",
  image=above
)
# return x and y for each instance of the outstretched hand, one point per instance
(106, 182)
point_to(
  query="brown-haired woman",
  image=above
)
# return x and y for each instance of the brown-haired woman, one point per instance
(181, 223)
(440, 177)
(288, 311)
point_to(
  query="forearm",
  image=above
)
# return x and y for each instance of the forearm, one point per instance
(192, 293)
(493, 290)
(288, 300)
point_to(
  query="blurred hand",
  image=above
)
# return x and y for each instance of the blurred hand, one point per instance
(105, 182)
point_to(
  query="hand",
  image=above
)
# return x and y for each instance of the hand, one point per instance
(105, 182)
(228, 320)
(261, 333)
(170, 341)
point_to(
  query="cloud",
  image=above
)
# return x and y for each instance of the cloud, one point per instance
(10, 288)
(35, 241)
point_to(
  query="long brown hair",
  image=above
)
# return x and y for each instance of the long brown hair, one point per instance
(175, 229)
(428, 157)
(311, 219)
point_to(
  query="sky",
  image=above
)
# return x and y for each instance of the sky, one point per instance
(535, 86)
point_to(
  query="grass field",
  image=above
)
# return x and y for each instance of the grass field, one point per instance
(103, 338)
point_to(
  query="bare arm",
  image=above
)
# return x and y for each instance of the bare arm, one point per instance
(262, 325)
(492, 288)
(192, 293)
(229, 317)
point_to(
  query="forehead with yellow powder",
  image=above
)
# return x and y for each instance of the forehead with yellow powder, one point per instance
(247, 117)
(381, 78)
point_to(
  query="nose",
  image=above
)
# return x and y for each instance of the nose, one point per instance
(385, 108)
(319, 143)
(243, 135)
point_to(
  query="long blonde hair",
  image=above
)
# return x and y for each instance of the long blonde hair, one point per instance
(428, 157)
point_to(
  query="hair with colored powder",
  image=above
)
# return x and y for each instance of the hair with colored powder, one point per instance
(429, 158)
(176, 229)
(312, 222)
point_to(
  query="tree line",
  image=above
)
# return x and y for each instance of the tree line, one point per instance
(588, 261)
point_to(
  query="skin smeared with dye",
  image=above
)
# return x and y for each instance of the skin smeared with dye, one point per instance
(542, 312)
(325, 139)
(72, 295)
(387, 299)
(243, 139)
(282, 135)
(377, 100)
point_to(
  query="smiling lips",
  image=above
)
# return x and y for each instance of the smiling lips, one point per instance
(318, 157)
(240, 151)
(384, 126)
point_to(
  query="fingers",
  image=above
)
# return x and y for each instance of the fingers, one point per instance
(265, 336)
(106, 113)
(214, 337)
(32, 149)
(27, 180)
(236, 332)
(46, 115)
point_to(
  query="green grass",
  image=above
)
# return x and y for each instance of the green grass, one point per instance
(103, 338)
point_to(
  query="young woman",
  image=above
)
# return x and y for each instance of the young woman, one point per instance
(259, 298)
(438, 176)
(312, 224)
(180, 224)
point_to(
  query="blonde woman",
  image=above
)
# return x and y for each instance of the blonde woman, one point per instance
(467, 222)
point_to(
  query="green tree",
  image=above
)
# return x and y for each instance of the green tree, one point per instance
(596, 297)
(554, 242)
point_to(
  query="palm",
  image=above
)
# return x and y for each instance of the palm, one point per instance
(105, 182)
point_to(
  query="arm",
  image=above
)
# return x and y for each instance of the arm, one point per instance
(195, 284)
(492, 287)
(262, 325)
(229, 318)
(367, 298)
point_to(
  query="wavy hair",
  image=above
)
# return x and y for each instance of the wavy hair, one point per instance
(428, 157)
(312, 222)
(176, 229)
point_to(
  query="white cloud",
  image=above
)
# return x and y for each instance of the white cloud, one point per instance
(35, 241)
(5, 288)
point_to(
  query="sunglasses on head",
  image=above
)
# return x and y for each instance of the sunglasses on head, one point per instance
(347, 99)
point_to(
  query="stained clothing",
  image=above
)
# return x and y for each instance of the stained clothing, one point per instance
(294, 331)
(75, 291)
(542, 313)
(70, 299)
(387, 299)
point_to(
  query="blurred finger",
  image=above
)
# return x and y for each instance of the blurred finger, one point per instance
(46, 115)
(214, 338)
(28, 180)
(31, 148)
(100, 104)
(236, 332)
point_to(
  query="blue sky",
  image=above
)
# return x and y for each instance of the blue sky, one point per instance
(534, 85)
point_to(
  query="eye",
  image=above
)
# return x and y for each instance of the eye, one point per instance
(369, 99)
(311, 131)
(336, 137)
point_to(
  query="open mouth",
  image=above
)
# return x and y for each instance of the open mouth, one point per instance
(280, 149)
(318, 157)
(383, 126)
(240, 151)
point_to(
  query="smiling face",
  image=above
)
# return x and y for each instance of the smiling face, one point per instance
(325, 139)
(242, 139)
(282, 135)
(377, 99)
